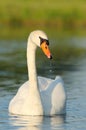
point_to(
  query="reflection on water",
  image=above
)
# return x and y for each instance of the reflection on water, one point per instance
(36, 122)
(13, 73)
(26, 122)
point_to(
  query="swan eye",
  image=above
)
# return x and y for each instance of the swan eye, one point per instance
(43, 40)
(47, 42)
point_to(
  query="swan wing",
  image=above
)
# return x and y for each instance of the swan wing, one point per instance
(43, 82)
(54, 97)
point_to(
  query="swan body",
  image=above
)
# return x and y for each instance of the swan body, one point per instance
(39, 95)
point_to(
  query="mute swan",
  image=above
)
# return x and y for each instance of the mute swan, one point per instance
(39, 95)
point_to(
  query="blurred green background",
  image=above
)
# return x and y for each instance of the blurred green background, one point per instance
(19, 17)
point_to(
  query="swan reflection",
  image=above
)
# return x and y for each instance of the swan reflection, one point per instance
(37, 122)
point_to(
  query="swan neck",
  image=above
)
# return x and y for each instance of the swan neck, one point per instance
(31, 64)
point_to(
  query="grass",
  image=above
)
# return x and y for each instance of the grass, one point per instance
(31, 14)
(31, 9)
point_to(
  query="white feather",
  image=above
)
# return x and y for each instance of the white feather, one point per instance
(38, 96)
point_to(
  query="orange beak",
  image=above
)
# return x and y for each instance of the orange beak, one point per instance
(46, 50)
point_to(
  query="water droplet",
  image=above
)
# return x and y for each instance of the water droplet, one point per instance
(50, 66)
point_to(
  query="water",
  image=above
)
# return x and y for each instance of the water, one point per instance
(13, 72)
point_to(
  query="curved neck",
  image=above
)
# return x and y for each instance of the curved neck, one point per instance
(31, 64)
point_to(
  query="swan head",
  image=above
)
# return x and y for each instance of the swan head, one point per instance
(41, 40)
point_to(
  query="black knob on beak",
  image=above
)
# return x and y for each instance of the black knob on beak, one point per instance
(51, 57)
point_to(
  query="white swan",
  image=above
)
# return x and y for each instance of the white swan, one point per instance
(38, 96)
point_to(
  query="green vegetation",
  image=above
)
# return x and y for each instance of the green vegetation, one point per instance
(21, 16)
